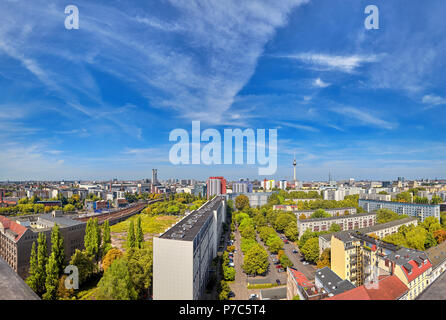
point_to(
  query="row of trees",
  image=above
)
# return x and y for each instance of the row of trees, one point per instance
(426, 235)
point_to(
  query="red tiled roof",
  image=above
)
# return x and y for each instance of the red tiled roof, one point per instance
(416, 271)
(301, 279)
(13, 226)
(390, 288)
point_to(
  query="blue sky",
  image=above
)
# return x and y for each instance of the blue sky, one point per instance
(99, 102)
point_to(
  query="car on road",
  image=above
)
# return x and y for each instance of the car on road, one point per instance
(253, 296)
(279, 266)
(231, 294)
(231, 264)
(295, 251)
(278, 281)
(280, 270)
(285, 241)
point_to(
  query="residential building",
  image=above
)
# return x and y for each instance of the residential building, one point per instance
(346, 222)
(388, 288)
(421, 211)
(437, 256)
(256, 199)
(308, 213)
(242, 187)
(216, 186)
(299, 285)
(17, 237)
(381, 230)
(375, 196)
(329, 281)
(364, 260)
(182, 256)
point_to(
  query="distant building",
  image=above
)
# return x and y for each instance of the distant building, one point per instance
(216, 186)
(200, 190)
(421, 211)
(242, 187)
(256, 199)
(308, 213)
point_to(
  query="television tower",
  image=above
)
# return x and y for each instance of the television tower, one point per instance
(294, 165)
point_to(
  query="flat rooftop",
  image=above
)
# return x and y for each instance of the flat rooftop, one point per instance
(12, 287)
(340, 217)
(188, 228)
(375, 227)
(402, 203)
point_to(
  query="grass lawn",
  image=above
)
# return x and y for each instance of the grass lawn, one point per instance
(149, 224)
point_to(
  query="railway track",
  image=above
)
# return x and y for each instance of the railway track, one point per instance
(124, 213)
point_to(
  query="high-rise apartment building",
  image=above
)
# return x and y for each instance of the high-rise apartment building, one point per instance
(216, 186)
(183, 255)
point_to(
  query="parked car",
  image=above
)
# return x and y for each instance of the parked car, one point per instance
(231, 294)
(253, 296)
(305, 263)
(285, 241)
(280, 270)
(278, 266)
(231, 264)
(278, 281)
(276, 262)
(295, 251)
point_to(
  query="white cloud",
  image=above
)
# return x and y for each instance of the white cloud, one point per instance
(299, 126)
(433, 100)
(364, 117)
(332, 62)
(321, 84)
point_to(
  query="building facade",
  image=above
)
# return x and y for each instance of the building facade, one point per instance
(17, 237)
(381, 230)
(216, 186)
(182, 256)
(420, 211)
(346, 222)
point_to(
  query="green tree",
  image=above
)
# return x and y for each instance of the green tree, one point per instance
(42, 258)
(285, 261)
(248, 232)
(320, 213)
(311, 250)
(308, 234)
(69, 208)
(52, 278)
(139, 234)
(283, 220)
(116, 284)
(140, 264)
(256, 260)
(335, 228)
(112, 255)
(431, 224)
(241, 202)
(92, 239)
(57, 248)
(83, 261)
(31, 281)
(131, 240)
(274, 243)
(228, 273)
(106, 242)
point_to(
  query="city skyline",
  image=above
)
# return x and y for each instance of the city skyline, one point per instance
(360, 103)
